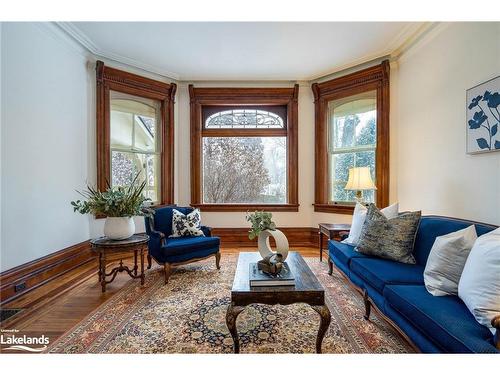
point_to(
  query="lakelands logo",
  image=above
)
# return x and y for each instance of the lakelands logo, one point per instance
(27, 343)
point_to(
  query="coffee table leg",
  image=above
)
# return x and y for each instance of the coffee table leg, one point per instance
(326, 317)
(231, 315)
(142, 266)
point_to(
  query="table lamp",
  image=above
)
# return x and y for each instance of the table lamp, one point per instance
(360, 179)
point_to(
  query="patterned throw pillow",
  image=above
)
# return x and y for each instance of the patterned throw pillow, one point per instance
(186, 225)
(389, 238)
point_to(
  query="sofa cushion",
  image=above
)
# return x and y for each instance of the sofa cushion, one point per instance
(343, 252)
(432, 226)
(380, 272)
(445, 320)
(182, 245)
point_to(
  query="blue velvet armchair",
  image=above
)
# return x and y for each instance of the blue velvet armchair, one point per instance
(171, 252)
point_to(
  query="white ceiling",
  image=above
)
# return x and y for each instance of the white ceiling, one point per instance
(241, 51)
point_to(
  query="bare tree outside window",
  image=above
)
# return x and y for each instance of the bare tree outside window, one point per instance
(244, 169)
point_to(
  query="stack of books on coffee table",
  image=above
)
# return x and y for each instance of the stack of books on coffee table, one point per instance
(260, 278)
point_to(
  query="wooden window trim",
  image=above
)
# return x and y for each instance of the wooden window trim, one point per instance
(259, 97)
(117, 80)
(373, 78)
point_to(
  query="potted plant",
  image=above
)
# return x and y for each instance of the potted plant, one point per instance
(263, 227)
(119, 204)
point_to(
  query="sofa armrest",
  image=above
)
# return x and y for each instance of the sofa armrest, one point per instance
(495, 322)
(207, 231)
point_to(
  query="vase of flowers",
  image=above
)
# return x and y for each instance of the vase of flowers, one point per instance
(263, 227)
(119, 204)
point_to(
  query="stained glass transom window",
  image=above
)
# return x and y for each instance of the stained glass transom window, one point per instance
(244, 119)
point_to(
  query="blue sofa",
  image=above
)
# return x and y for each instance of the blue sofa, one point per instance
(171, 252)
(397, 290)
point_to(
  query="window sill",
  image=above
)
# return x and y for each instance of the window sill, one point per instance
(334, 208)
(237, 207)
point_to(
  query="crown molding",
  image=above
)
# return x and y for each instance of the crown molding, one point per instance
(416, 37)
(59, 35)
(85, 42)
(412, 34)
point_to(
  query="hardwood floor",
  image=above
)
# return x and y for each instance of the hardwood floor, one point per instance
(57, 306)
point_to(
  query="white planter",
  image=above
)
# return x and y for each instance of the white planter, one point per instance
(281, 243)
(119, 228)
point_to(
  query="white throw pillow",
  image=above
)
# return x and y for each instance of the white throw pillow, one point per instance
(358, 219)
(446, 261)
(186, 225)
(479, 286)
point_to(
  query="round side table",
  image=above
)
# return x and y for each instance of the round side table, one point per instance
(103, 246)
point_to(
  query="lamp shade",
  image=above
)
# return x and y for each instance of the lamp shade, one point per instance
(360, 179)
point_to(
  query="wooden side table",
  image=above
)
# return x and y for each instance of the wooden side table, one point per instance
(332, 232)
(103, 246)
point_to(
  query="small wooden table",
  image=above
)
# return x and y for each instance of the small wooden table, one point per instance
(307, 289)
(332, 232)
(103, 246)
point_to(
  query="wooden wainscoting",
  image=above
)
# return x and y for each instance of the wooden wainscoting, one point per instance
(26, 277)
(238, 237)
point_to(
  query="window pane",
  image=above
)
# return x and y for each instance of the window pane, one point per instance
(244, 119)
(125, 165)
(341, 164)
(144, 136)
(135, 148)
(133, 123)
(353, 121)
(352, 142)
(244, 170)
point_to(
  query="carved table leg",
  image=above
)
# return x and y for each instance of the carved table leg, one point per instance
(231, 315)
(135, 262)
(150, 261)
(142, 266)
(99, 273)
(325, 316)
(330, 266)
(103, 272)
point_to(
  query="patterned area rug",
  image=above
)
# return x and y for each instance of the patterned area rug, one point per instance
(188, 316)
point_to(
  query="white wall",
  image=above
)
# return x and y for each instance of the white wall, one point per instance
(434, 172)
(44, 142)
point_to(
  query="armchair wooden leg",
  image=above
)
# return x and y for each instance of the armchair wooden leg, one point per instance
(330, 266)
(217, 260)
(149, 262)
(368, 305)
(168, 270)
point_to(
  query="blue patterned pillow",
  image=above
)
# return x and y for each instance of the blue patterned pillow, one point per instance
(186, 225)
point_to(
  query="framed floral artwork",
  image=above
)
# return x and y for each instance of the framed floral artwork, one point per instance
(483, 117)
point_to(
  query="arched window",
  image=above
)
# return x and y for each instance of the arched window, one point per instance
(352, 130)
(135, 126)
(244, 149)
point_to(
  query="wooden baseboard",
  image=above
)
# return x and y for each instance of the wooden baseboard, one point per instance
(238, 237)
(26, 277)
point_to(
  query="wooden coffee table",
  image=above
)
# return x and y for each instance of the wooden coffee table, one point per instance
(307, 289)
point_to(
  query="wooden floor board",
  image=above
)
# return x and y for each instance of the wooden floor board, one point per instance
(59, 305)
